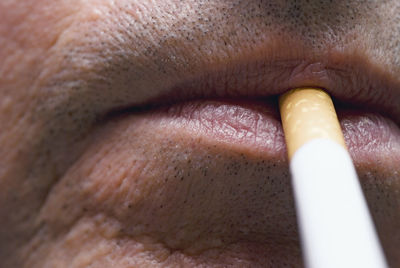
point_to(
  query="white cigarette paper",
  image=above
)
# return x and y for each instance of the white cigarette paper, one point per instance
(335, 225)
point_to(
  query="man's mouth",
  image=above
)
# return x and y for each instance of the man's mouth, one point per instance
(236, 101)
(348, 76)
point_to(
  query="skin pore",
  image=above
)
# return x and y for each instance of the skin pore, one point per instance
(84, 181)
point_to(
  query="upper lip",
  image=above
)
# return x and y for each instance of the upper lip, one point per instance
(353, 80)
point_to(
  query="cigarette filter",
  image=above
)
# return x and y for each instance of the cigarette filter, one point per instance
(335, 225)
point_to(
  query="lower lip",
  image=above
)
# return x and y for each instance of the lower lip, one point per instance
(254, 126)
(250, 125)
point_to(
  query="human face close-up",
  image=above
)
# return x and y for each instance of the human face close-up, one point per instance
(139, 133)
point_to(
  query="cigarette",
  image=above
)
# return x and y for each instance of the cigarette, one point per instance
(336, 229)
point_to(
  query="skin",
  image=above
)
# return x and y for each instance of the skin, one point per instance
(81, 186)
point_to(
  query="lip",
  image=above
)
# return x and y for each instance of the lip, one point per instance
(349, 77)
(247, 123)
(254, 125)
(364, 95)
